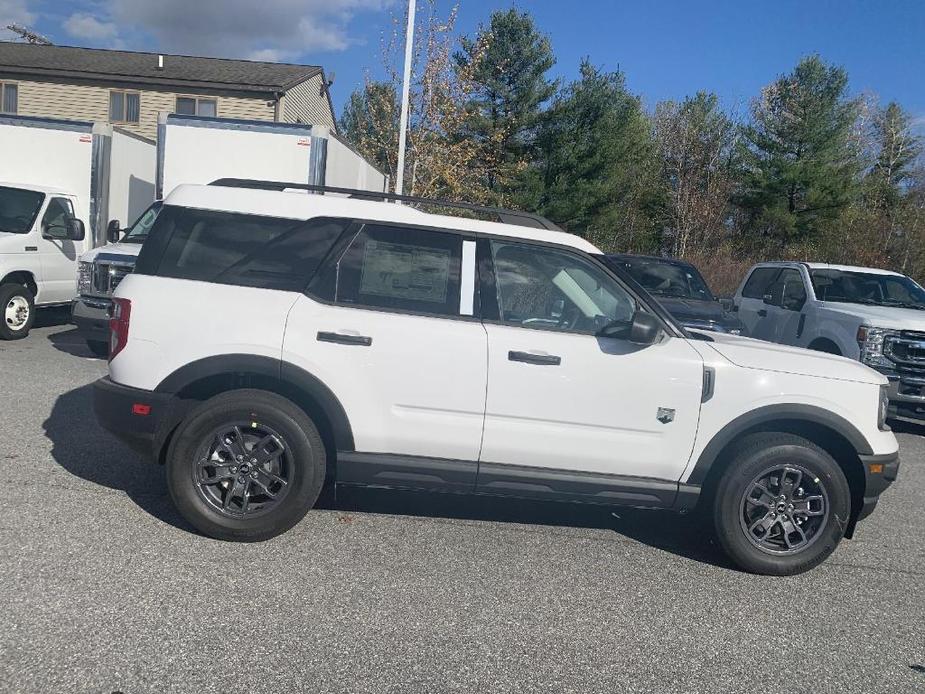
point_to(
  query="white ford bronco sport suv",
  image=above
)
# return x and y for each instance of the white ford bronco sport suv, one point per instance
(326, 338)
(874, 316)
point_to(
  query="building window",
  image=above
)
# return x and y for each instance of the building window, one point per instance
(9, 97)
(195, 106)
(124, 107)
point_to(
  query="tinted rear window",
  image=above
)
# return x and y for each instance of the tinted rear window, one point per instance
(244, 250)
(759, 282)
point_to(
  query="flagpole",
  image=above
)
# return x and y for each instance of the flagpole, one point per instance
(405, 95)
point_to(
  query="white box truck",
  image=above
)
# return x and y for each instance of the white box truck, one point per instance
(60, 182)
(198, 149)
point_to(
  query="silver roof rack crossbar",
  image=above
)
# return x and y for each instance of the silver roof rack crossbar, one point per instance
(525, 219)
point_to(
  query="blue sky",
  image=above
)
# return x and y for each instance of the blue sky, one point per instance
(667, 49)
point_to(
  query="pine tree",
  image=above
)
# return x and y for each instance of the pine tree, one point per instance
(505, 66)
(596, 172)
(800, 164)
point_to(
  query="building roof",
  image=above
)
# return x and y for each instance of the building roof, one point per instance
(299, 205)
(133, 67)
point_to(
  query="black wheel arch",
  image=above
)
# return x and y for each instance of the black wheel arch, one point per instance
(204, 378)
(831, 432)
(23, 277)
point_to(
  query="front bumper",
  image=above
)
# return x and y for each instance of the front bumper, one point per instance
(139, 418)
(91, 316)
(880, 471)
(907, 395)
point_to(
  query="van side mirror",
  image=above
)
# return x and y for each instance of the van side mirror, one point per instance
(643, 329)
(75, 229)
(113, 231)
(71, 230)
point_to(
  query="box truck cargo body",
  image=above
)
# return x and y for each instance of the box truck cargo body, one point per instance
(197, 149)
(59, 183)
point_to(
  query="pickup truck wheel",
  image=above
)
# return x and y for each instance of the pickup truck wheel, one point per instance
(246, 465)
(17, 311)
(781, 506)
(98, 348)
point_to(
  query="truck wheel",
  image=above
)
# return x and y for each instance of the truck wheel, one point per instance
(781, 506)
(17, 311)
(98, 348)
(246, 465)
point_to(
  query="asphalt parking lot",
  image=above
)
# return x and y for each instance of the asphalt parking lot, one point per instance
(106, 589)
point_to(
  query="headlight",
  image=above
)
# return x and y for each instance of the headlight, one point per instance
(84, 277)
(870, 340)
(884, 408)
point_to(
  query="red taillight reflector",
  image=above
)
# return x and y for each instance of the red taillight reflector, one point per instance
(118, 326)
(141, 409)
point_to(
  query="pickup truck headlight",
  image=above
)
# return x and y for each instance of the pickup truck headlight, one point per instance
(84, 277)
(870, 340)
(884, 408)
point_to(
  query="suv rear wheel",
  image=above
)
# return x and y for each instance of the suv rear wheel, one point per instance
(781, 506)
(246, 465)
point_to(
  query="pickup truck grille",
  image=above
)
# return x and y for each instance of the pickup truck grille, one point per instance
(108, 272)
(907, 351)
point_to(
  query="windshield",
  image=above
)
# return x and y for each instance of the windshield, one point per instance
(867, 288)
(138, 232)
(18, 209)
(664, 278)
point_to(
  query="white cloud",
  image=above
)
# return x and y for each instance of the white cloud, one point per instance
(89, 28)
(268, 30)
(14, 11)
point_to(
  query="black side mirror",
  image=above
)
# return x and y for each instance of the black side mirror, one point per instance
(71, 230)
(642, 330)
(113, 231)
(75, 230)
(727, 302)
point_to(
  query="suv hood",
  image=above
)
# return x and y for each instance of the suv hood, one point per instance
(880, 316)
(768, 356)
(129, 250)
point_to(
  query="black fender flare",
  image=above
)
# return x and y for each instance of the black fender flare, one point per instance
(288, 378)
(771, 413)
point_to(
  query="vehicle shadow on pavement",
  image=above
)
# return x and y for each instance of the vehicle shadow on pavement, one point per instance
(85, 450)
(70, 342)
(50, 317)
(683, 535)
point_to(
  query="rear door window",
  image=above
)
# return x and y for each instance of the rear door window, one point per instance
(238, 249)
(401, 269)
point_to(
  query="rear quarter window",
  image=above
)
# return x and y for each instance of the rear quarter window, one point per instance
(237, 249)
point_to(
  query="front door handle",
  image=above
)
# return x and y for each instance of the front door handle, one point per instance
(538, 359)
(342, 339)
(763, 312)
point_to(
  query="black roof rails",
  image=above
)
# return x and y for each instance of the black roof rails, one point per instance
(525, 219)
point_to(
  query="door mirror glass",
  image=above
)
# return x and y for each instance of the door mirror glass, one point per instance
(113, 231)
(643, 329)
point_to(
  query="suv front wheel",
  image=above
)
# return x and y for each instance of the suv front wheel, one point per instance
(246, 465)
(781, 506)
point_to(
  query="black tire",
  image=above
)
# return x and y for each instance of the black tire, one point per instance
(11, 296)
(304, 457)
(98, 348)
(758, 541)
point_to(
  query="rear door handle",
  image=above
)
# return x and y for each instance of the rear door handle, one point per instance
(763, 312)
(538, 359)
(342, 339)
